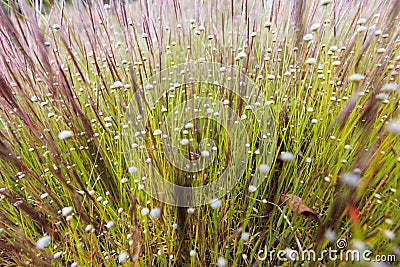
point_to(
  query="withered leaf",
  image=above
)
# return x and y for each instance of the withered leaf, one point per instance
(296, 204)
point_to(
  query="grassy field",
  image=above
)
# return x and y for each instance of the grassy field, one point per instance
(200, 133)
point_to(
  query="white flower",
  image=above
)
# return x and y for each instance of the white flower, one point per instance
(241, 55)
(350, 179)
(264, 168)
(184, 142)
(286, 156)
(356, 77)
(43, 242)
(221, 262)
(393, 127)
(252, 188)
(245, 236)
(189, 125)
(132, 170)
(389, 234)
(117, 84)
(157, 132)
(215, 203)
(308, 37)
(149, 86)
(362, 29)
(311, 61)
(330, 235)
(155, 213)
(390, 87)
(145, 211)
(65, 134)
(333, 48)
(315, 27)
(110, 224)
(66, 211)
(123, 257)
(190, 210)
(382, 96)
(57, 255)
(381, 50)
(347, 147)
(192, 253)
(205, 154)
(361, 21)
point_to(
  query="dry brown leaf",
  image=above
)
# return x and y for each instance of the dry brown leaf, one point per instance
(296, 204)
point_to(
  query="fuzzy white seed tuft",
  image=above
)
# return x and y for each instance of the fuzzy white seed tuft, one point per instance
(393, 127)
(145, 211)
(264, 168)
(252, 188)
(65, 134)
(155, 213)
(215, 203)
(315, 27)
(241, 55)
(157, 132)
(66, 211)
(117, 84)
(110, 224)
(350, 179)
(245, 236)
(123, 257)
(190, 210)
(221, 262)
(57, 255)
(390, 87)
(311, 61)
(132, 170)
(43, 242)
(189, 125)
(356, 77)
(205, 154)
(308, 37)
(184, 142)
(286, 156)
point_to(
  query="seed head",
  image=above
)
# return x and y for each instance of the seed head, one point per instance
(43, 242)
(65, 134)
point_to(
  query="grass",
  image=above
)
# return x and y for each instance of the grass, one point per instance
(327, 73)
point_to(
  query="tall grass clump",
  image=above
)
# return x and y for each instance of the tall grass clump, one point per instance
(327, 71)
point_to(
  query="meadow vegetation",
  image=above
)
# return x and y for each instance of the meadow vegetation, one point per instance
(327, 71)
